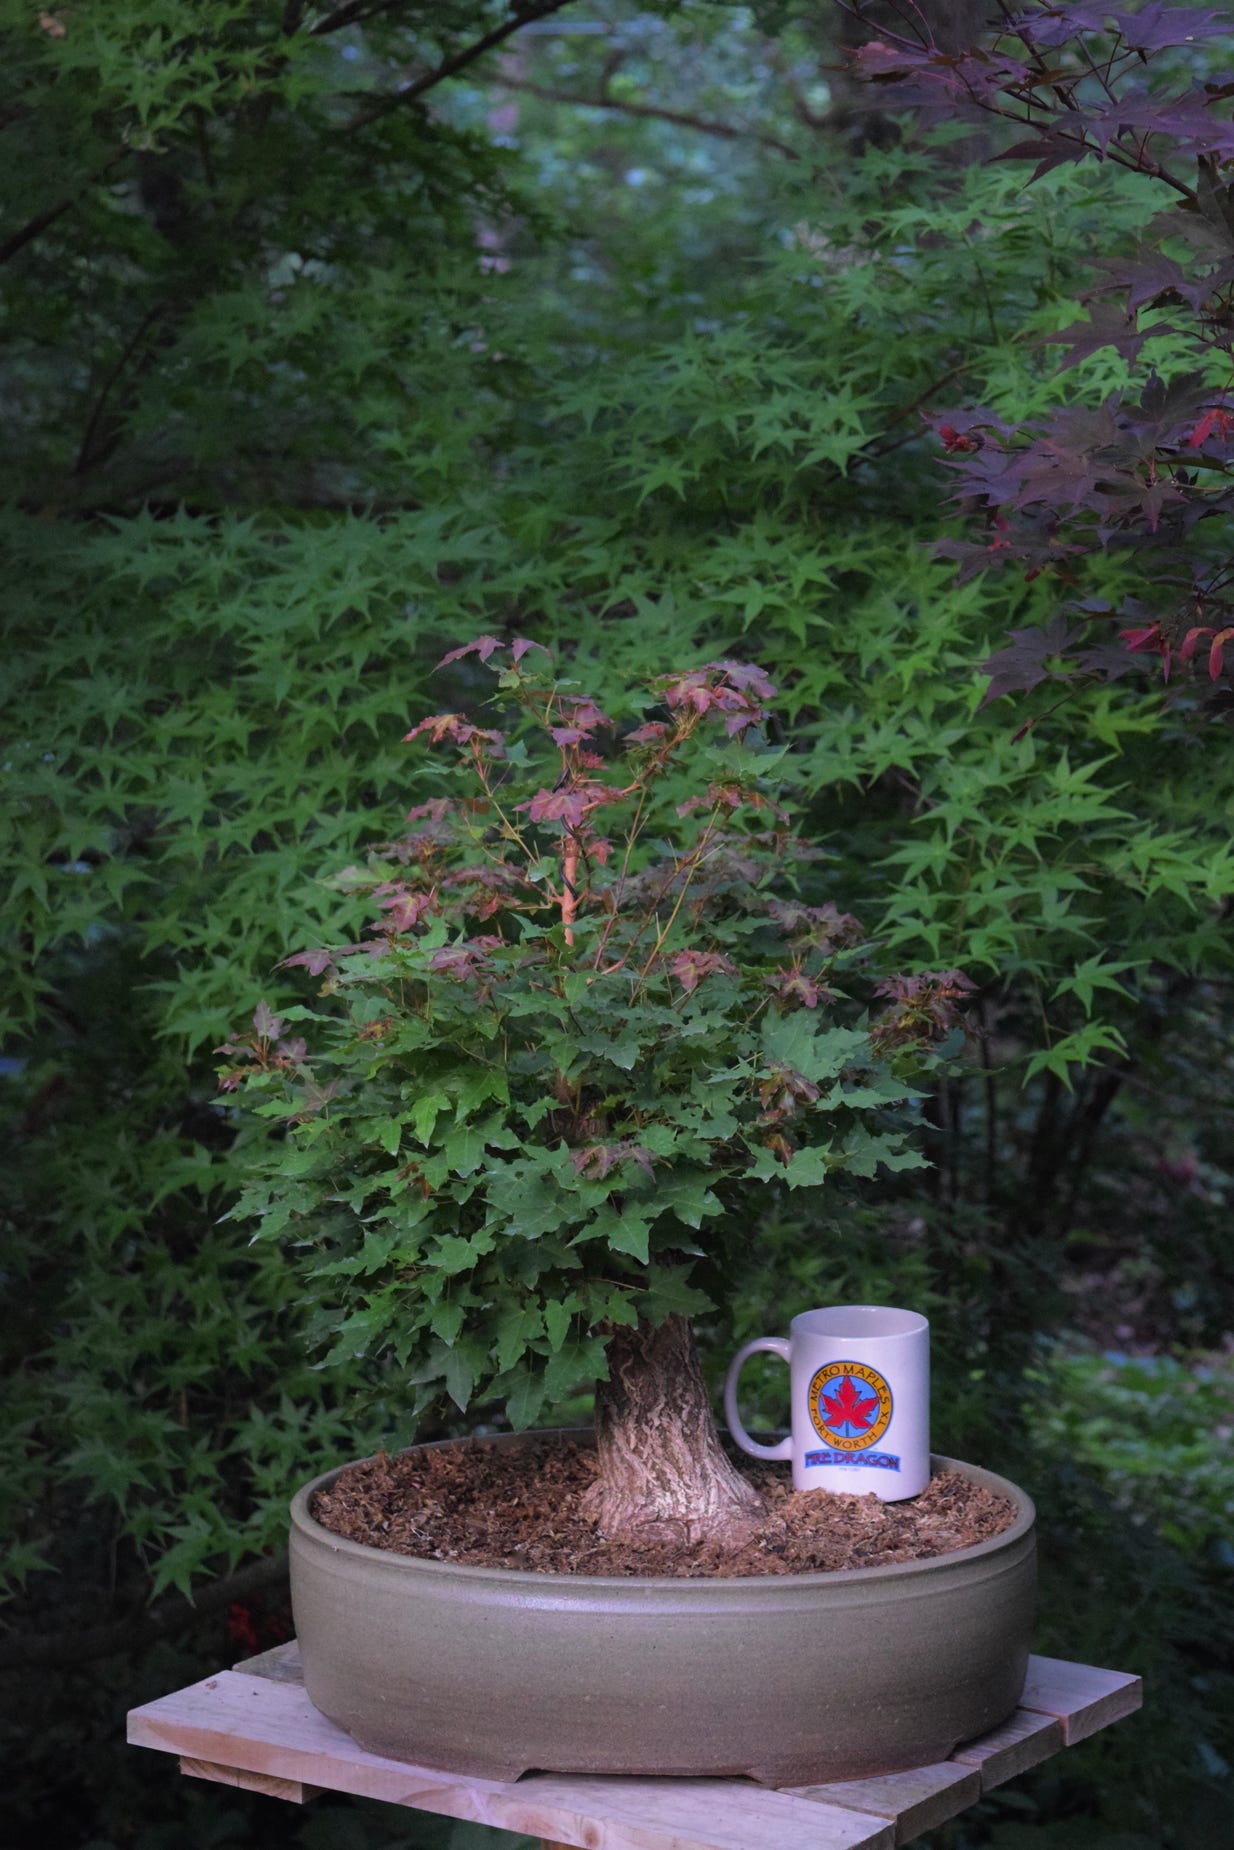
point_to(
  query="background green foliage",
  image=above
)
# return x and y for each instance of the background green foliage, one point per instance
(308, 378)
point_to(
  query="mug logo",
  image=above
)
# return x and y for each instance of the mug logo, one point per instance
(850, 1405)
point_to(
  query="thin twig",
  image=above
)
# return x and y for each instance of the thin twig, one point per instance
(606, 930)
(456, 62)
(1135, 164)
(85, 458)
(35, 227)
(203, 149)
(691, 866)
(704, 125)
(874, 451)
(353, 13)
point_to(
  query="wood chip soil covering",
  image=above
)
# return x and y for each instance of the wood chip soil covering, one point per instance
(493, 1506)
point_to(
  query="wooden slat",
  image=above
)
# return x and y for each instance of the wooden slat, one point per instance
(255, 1727)
(281, 1664)
(665, 1814)
(913, 1802)
(268, 1727)
(1081, 1698)
(291, 1789)
(1023, 1741)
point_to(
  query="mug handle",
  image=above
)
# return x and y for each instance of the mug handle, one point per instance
(774, 1345)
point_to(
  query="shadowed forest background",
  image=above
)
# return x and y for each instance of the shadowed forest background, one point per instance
(335, 337)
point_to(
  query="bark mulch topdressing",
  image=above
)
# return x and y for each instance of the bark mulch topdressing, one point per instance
(493, 1506)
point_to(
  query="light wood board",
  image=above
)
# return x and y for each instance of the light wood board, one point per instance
(254, 1726)
(911, 1802)
(1082, 1698)
(1024, 1739)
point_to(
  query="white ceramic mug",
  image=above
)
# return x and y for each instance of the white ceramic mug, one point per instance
(859, 1380)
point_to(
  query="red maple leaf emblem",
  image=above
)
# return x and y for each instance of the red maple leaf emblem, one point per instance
(845, 1406)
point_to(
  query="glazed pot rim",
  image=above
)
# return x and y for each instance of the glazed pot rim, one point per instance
(317, 1533)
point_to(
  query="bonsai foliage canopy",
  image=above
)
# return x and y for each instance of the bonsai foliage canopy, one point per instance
(593, 1028)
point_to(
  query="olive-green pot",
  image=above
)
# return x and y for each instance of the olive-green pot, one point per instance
(790, 1679)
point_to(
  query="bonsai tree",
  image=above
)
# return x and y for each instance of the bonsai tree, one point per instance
(594, 1026)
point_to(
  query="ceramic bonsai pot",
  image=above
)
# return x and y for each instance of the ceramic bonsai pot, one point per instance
(789, 1679)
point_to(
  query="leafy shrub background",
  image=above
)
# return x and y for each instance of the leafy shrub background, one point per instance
(308, 384)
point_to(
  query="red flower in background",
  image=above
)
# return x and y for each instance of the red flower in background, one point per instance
(242, 1628)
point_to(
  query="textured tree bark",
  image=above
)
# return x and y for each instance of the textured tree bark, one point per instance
(663, 1474)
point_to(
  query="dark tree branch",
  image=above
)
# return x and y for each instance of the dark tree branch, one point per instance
(1043, 1154)
(175, 1613)
(203, 149)
(1088, 1119)
(874, 452)
(705, 125)
(809, 118)
(1089, 1115)
(524, 14)
(86, 455)
(783, 67)
(35, 227)
(353, 13)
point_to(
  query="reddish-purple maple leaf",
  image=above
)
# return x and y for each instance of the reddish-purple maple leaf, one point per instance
(690, 967)
(405, 906)
(825, 927)
(1021, 666)
(571, 803)
(1216, 652)
(1107, 326)
(598, 1160)
(1155, 27)
(1218, 420)
(520, 646)
(312, 961)
(1150, 276)
(1151, 639)
(455, 729)
(483, 646)
(266, 1023)
(582, 716)
(797, 989)
(461, 962)
(735, 689)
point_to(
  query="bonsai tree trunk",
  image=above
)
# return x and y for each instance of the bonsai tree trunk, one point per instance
(663, 1474)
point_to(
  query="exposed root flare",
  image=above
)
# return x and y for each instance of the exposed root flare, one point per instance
(663, 1474)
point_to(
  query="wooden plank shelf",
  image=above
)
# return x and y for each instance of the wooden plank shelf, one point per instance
(255, 1727)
